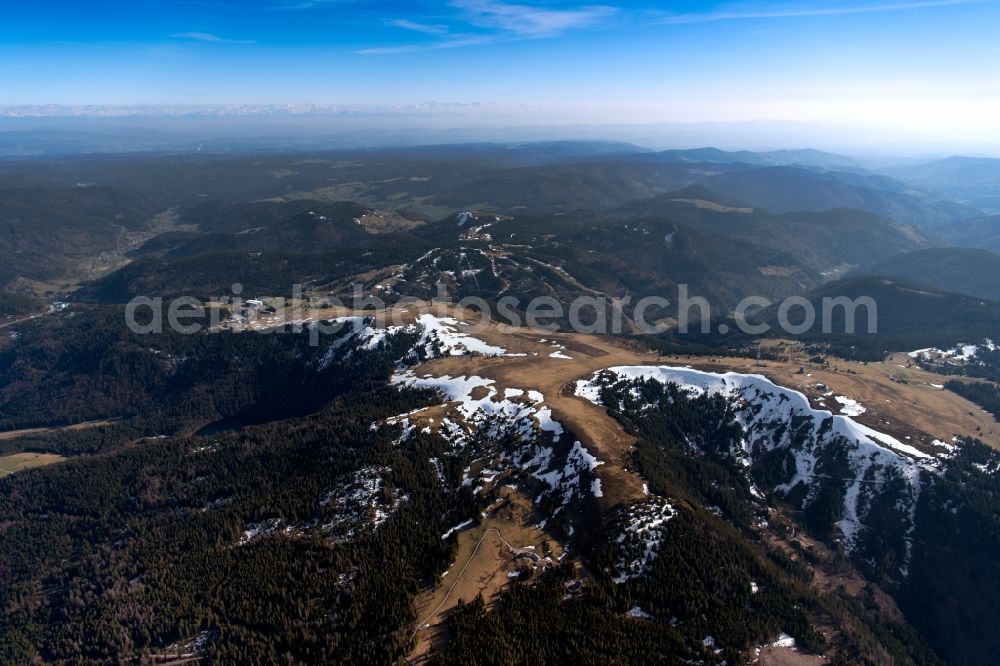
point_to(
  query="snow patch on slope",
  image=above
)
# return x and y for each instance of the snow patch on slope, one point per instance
(776, 417)
(850, 407)
(640, 531)
(359, 503)
(440, 337)
(519, 414)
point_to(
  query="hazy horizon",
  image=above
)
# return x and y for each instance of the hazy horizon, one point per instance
(889, 76)
(151, 130)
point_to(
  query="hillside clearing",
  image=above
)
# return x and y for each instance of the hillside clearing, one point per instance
(25, 432)
(17, 462)
(485, 563)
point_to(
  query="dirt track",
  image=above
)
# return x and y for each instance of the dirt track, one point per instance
(555, 379)
(483, 561)
(901, 401)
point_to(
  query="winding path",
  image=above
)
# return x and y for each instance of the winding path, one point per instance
(425, 623)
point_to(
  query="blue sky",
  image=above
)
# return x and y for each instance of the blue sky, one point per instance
(919, 64)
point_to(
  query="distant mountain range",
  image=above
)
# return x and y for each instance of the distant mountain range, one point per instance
(908, 316)
(981, 232)
(774, 223)
(969, 271)
(805, 157)
(822, 240)
(971, 180)
(784, 189)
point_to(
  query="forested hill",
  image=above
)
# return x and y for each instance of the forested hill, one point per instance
(305, 522)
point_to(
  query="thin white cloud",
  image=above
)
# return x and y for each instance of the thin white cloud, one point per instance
(529, 21)
(309, 4)
(496, 20)
(457, 42)
(209, 37)
(738, 12)
(427, 29)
